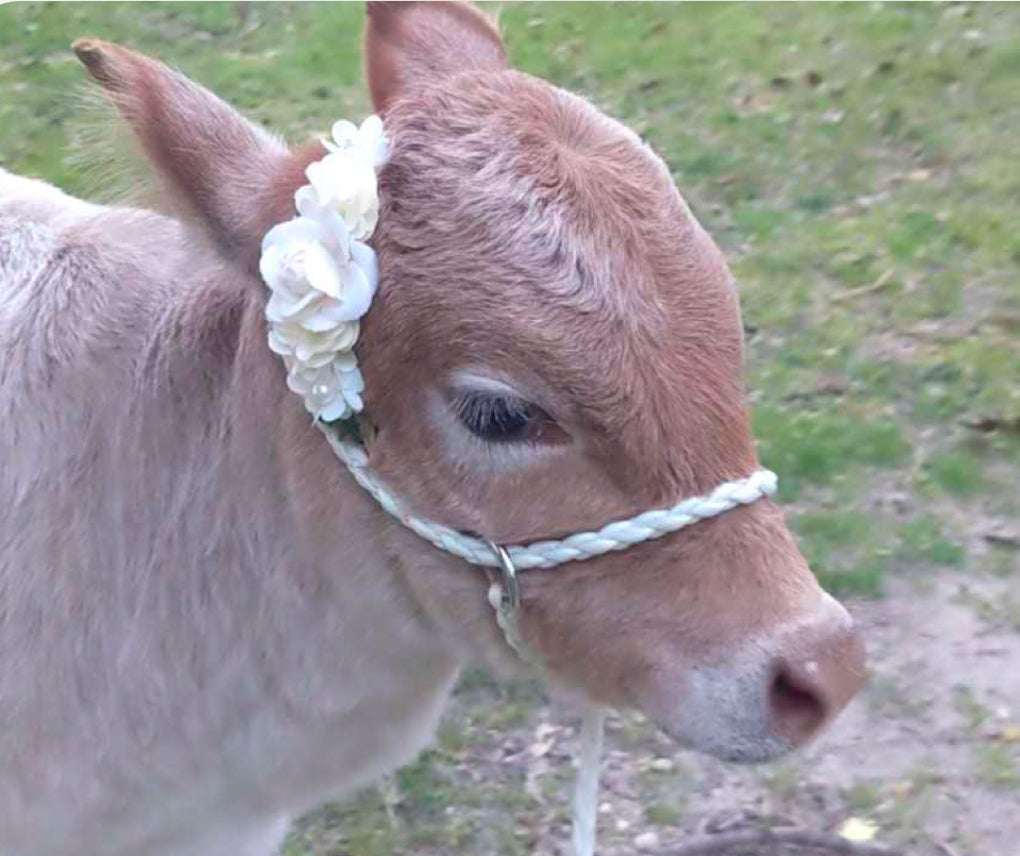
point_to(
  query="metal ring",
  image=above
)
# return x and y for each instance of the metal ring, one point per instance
(511, 590)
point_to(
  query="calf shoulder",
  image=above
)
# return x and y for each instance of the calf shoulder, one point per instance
(181, 668)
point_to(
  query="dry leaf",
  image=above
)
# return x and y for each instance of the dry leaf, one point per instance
(856, 829)
(902, 789)
(541, 748)
(545, 739)
(546, 730)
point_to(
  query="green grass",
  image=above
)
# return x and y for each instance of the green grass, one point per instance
(359, 827)
(833, 530)
(843, 550)
(923, 541)
(996, 768)
(957, 472)
(864, 797)
(854, 161)
(809, 447)
(664, 813)
(972, 711)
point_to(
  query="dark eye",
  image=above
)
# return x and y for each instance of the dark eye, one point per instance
(499, 418)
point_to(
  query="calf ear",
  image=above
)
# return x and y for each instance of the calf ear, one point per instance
(214, 165)
(407, 44)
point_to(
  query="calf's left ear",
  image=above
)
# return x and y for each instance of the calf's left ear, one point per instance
(408, 44)
(215, 166)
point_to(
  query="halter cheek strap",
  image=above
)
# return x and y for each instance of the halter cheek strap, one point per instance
(646, 526)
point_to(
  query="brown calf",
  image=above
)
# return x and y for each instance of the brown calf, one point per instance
(206, 626)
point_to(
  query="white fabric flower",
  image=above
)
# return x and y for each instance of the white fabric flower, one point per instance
(368, 142)
(345, 180)
(346, 185)
(312, 349)
(321, 284)
(330, 392)
(321, 273)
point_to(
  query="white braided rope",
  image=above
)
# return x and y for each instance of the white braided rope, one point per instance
(586, 785)
(547, 554)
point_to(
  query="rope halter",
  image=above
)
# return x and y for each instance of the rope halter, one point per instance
(611, 538)
(322, 276)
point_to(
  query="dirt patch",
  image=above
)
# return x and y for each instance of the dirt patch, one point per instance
(930, 752)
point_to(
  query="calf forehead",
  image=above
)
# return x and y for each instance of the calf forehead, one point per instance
(523, 226)
(504, 190)
(537, 179)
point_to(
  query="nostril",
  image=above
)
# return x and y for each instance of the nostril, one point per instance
(797, 711)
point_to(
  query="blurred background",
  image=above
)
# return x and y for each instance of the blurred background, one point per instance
(859, 164)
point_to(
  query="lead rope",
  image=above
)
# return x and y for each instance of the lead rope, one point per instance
(505, 599)
(586, 785)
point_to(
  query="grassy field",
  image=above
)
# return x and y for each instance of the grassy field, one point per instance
(858, 163)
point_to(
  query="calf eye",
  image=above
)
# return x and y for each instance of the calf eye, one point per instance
(500, 418)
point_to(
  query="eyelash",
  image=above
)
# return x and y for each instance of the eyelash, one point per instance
(498, 418)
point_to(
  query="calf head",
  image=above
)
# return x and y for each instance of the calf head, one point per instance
(556, 344)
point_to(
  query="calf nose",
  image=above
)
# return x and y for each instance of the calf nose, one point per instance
(817, 668)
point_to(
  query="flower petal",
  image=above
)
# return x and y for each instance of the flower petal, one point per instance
(344, 338)
(354, 401)
(322, 271)
(321, 321)
(318, 178)
(339, 409)
(356, 294)
(352, 381)
(283, 307)
(269, 264)
(374, 140)
(317, 361)
(292, 231)
(326, 316)
(365, 258)
(278, 344)
(306, 200)
(345, 132)
(345, 361)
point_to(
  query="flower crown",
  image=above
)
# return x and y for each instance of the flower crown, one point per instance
(323, 275)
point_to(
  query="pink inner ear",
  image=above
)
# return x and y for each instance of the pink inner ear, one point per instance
(407, 44)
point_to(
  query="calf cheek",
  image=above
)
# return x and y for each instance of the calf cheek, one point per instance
(628, 628)
(608, 632)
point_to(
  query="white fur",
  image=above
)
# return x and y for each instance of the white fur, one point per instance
(176, 677)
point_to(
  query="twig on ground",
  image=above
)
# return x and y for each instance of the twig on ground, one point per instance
(877, 285)
(991, 424)
(945, 849)
(717, 845)
(389, 790)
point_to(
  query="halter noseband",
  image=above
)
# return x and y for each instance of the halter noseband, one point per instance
(613, 537)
